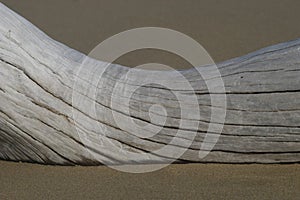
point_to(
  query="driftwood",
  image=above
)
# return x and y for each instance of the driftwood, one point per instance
(37, 113)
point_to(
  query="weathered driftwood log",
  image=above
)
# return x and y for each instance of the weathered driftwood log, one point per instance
(37, 113)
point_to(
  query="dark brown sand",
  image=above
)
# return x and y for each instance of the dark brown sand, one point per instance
(226, 29)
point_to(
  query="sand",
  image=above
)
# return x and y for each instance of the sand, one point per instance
(191, 181)
(226, 29)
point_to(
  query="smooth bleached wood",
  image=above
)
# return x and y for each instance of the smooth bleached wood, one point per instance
(37, 111)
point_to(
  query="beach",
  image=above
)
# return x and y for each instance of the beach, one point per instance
(185, 181)
(225, 29)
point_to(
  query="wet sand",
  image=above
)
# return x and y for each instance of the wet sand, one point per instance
(226, 29)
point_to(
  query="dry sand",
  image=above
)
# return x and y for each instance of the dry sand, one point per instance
(191, 181)
(226, 29)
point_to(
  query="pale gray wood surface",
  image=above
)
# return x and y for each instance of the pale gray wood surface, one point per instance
(37, 112)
